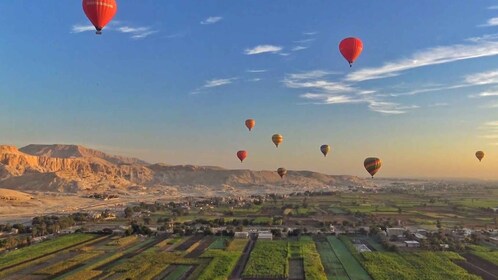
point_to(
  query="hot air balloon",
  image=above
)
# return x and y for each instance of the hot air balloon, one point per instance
(282, 172)
(100, 12)
(479, 155)
(372, 165)
(351, 48)
(241, 155)
(325, 149)
(250, 123)
(277, 139)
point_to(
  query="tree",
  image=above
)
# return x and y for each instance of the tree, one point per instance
(438, 224)
(128, 212)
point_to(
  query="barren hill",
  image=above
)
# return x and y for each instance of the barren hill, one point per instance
(72, 168)
(6, 194)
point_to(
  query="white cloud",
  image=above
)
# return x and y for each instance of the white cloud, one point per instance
(77, 28)
(480, 47)
(389, 107)
(218, 82)
(486, 94)
(256, 70)
(483, 78)
(310, 33)
(314, 74)
(263, 49)
(255, 80)
(304, 41)
(211, 20)
(439, 104)
(491, 22)
(134, 32)
(299, 48)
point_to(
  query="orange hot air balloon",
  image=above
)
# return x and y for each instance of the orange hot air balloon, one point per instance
(325, 149)
(372, 165)
(479, 155)
(282, 172)
(100, 12)
(351, 48)
(277, 139)
(250, 123)
(242, 155)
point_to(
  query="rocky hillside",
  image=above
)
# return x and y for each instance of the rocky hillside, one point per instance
(72, 168)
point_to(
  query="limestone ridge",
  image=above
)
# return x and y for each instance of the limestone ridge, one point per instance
(73, 168)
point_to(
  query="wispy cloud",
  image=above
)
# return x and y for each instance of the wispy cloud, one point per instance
(493, 8)
(299, 48)
(312, 33)
(323, 91)
(304, 41)
(479, 47)
(485, 94)
(78, 28)
(255, 80)
(490, 22)
(218, 82)
(439, 104)
(211, 20)
(134, 32)
(482, 78)
(256, 70)
(263, 49)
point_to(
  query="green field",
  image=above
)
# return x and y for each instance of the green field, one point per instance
(486, 253)
(268, 258)
(350, 264)
(41, 249)
(416, 266)
(332, 264)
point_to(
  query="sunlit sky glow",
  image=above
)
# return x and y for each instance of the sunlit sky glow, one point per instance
(173, 81)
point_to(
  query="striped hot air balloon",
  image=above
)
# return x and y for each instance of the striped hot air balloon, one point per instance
(325, 149)
(277, 139)
(479, 155)
(372, 165)
(282, 172)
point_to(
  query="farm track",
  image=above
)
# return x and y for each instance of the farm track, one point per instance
(479, 266)
(241, 263)
(201, 248)
(49, 254)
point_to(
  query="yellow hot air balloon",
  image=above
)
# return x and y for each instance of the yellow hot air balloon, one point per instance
(479, 155)
(277, 139)
(325, 149)
(282, 172)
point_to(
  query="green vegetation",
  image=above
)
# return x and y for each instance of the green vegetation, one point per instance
(268, 258)
(178, 272)
(43, 248)
(348, 261)
(221, 265)
(332, 264)
(237, 245)
(416, 266)
(219, 243)
(313, 268)
(123, 241)
(68, 264)
(485, 253)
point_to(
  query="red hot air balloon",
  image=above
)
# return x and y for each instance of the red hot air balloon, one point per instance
(351, 48)
(250, 123)
(241, 155)
(100, 12)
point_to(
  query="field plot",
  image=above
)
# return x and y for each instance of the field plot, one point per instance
(351, 265)
(332, 264)
(268, 259)
(416, 266)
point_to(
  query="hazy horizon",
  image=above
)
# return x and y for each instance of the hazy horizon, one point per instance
(174, 82)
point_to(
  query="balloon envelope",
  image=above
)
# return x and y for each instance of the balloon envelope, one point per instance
(282, 172)
(372, 165)
(250, 123)
(351, 48)
(277, 139)
(241, 155)
(479, 155)
(100, 12)
(325, 149)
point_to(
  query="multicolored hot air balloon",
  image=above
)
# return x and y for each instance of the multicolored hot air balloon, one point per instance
(241, 155)
(100, 12)
(250, 123)
(282, 172)
(277, 139)
(372, 165)
(479, 155)
(351, 48)
(325, 149)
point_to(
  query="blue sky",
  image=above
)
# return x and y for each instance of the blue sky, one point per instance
(173, 81)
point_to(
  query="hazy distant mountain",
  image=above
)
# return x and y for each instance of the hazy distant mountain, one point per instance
(72, 168)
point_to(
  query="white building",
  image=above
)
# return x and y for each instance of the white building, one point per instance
(412, 244)
(241, 234)
(265, 235)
